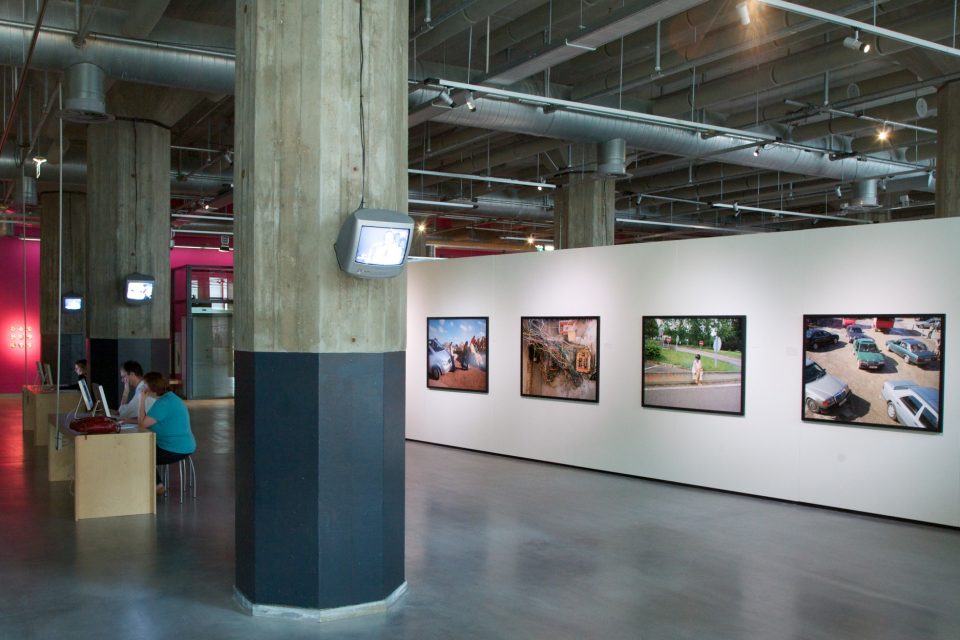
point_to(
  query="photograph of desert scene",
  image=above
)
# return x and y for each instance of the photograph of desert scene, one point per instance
(559, 358)
(457, 354)
(694, 363)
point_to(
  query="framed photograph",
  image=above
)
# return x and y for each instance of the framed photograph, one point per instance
(877, 371)
(560, 358)
(457, 354)
(694, 363)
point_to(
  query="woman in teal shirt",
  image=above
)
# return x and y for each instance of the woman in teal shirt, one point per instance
(169, 419)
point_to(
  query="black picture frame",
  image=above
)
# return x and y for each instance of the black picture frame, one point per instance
(670, 347)
(447, 339)
(895, 383)
(554, 366)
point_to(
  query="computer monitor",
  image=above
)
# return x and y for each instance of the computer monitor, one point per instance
(102, 400)
(138, 289)
(72, 303)
(43, 381)
(374, 243)
(85, 395)
(47, 373)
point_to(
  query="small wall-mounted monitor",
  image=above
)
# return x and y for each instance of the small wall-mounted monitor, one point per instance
(138, 289)
(374, 243)
(72, 303)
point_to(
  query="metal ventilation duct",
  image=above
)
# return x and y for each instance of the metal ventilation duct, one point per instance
(865, 195)
(85, 102)
(528, 119)
(612, 158)
(25, 193)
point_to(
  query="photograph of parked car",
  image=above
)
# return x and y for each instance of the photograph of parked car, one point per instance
(694, 363)
(887, 371)
(560, 358)
(457, 354)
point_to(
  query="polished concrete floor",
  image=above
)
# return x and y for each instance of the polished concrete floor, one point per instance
(496, 548)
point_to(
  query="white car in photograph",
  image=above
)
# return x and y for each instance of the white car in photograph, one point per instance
(912, 405)
(439, 360)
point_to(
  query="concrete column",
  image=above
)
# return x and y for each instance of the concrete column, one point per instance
(128, 231)
(948, 160)
(584, 212)
(320, 360)
(70, 333)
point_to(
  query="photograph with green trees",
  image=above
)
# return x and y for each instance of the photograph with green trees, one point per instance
(694, 363)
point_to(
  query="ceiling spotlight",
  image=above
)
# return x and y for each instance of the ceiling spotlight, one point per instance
(38, 160)
(531, 240)
(838, 191)
(756, 152)
(854, 42)
(883, 134)
(743, 11)
(736, 209)
(422, 227)
(443, 100)
(470, 102)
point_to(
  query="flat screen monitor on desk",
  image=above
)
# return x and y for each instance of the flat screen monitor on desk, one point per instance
(102, 400)
(85, 397)
(43, 381)
(48, 374)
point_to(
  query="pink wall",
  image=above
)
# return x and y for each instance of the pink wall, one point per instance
(203, 257)
(13, 372)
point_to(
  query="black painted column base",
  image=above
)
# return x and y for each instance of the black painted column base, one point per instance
(73, 347)
(320, 478)
(106, 356)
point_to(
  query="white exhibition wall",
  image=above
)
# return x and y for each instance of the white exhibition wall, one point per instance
(773, 279)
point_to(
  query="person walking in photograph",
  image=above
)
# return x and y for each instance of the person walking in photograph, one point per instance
(696, 370)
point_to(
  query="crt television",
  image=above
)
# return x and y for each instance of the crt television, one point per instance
(72, 302)
(374, 243)
(138, 289)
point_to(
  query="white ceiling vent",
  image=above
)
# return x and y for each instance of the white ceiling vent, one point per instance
(85, 102)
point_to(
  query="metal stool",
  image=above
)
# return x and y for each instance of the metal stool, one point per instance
(182, 467)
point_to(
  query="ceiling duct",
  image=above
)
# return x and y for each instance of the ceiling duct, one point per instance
(612, 158)
(85, 102)
(25, 193)
(865, 195)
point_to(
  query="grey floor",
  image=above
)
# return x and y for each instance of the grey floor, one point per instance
(496, 548)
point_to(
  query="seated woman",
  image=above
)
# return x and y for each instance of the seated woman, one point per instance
(169, 419)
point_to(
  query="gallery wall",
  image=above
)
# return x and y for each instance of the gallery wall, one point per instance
(773, 279)
(19, 307)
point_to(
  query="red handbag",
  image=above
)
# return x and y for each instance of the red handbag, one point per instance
(95, 424)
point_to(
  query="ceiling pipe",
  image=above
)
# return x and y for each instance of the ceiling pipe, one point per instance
(502, 115)
(156, 63)
(793, 68)
(31, 50)
(459, 21)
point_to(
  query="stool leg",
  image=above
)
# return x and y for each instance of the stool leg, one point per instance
(180, 469)
(193, 477)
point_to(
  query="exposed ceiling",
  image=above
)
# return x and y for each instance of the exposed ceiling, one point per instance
(728, 128)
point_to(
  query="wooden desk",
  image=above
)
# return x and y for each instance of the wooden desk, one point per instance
(113, 474)
(38, 404)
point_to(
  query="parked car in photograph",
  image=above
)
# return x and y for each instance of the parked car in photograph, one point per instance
(816, 338)
(927, 323)
(854, 332)
(868, 354)
(439, 360)
(912, 405)
(911, 350)
(822, 391)
(883, 324)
